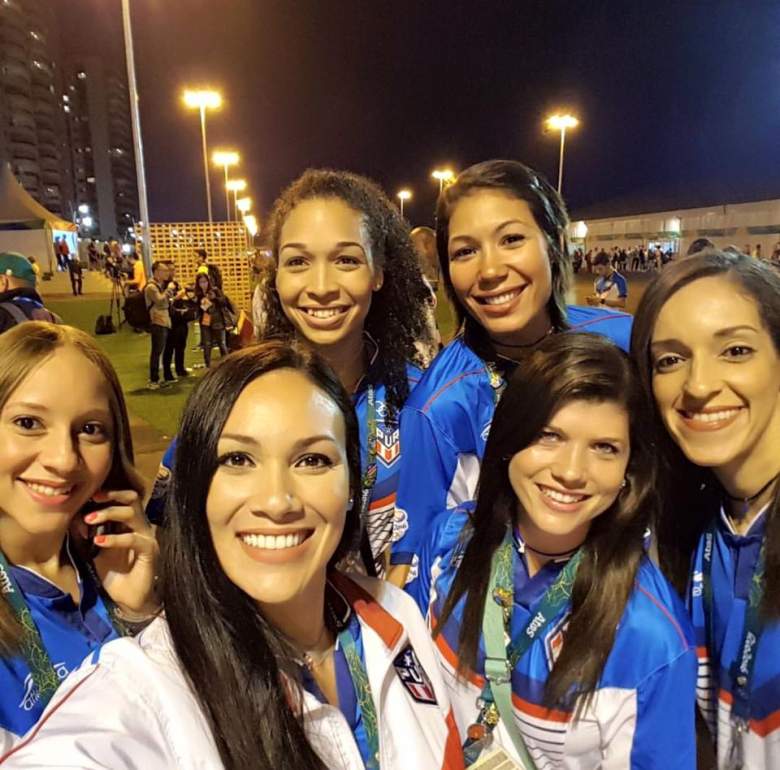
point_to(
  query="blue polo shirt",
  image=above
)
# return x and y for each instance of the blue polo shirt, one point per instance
(70, 631)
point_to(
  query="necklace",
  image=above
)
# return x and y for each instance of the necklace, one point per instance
(544, 553)
(524, 345)
(747, 500)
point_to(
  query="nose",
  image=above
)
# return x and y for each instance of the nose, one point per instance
(491, 267)
(569, 466)
(322, 284)
(275, 496)
(59, 453)
(702, 381)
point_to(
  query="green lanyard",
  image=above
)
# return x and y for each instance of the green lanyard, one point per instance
(359, 676)
(33, 650)
(370, 472)
(742, 667)
(495, 700)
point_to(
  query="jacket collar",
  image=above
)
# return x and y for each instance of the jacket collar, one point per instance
(369, 610)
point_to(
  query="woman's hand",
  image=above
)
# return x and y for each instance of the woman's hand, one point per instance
(127, 562)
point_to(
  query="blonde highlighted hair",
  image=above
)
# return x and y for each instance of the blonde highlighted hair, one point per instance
(22, 350)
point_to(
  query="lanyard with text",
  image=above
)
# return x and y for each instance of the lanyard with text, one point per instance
(495, 700)
(33, 649)
(369, 474)
(742, 668)
(359, 676)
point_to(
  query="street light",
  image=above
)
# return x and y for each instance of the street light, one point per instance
(83, 208)
(236, 186)
(202, 101)
(443, 175)
(404, 195)
(243, 205)
(226, 158)
(561, 123)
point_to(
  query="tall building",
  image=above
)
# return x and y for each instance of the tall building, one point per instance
(65, 120)
(102, 162)
(32, 128)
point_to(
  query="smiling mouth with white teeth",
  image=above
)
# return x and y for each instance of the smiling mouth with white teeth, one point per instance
(47, 489)
(565, 498)
(275, 542)
(325, 312)
(500, 299)
(711, 417)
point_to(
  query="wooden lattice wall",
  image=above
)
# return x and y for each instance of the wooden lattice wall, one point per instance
(226, 244)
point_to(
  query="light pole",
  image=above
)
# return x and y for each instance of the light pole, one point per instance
(203, 100)
(138, 144)
(250, 220)
(404, 195)
(443, 175)
(561, 123)
(226, 158)
(236, 186)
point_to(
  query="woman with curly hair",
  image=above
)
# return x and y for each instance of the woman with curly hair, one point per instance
(347, 282)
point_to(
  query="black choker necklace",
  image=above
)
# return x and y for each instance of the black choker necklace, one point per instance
(526, 345)
(747, 500)
(553, 555)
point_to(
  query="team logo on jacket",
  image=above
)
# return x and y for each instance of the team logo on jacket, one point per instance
(413, 677)
(388, 447)
(553, 640)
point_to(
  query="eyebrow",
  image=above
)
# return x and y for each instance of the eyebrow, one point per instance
(497, 228)
(241, 438)
(339, 245)
(28, 405)
(727, 332)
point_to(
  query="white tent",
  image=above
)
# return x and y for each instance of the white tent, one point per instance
(26, 226)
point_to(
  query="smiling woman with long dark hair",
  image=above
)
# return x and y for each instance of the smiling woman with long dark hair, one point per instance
(267, 657)
(707, 342)
(501, 233)
(552, 555)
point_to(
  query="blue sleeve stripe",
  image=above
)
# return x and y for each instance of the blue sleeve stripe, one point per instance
(448, 385)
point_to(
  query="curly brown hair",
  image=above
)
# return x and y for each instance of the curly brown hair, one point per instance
(398, 318)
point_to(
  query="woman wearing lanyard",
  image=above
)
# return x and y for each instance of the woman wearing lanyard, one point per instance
(65, 450)
(267, 657)
(707, 340)
(504, 256)
(600, 671)
(348, 283)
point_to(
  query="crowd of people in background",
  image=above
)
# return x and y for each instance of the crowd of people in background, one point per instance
(553, 541)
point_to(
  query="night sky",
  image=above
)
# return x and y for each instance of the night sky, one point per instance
(679, 101)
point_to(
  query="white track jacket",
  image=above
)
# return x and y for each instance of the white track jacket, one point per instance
(129, 706)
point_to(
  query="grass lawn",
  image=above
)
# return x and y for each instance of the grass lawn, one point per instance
(129, 352)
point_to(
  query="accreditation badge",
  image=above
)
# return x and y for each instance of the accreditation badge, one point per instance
(497, 759)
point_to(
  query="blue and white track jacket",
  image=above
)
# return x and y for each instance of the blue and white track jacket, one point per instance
(642, 715)
(445, 423)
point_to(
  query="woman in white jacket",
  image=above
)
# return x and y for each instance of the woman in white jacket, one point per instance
(266, 657)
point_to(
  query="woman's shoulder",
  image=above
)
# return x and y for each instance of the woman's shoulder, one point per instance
(655, 623)
(455, 370)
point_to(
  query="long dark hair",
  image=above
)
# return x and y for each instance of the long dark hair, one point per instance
(692, 496)
(25, 347)
(239, 666)
(397, 319)
(549, 212)
(563, 368)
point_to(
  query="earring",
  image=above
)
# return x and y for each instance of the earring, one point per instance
(624, 483)
(350, 502)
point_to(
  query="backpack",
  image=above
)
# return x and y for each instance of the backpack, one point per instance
(104, 325)
(137, 311)
(22, 310)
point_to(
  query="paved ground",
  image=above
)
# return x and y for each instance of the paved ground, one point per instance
(150, 442)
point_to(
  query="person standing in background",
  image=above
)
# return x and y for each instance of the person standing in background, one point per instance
(183, 310)
(76, 278)
(158, 303)
(610, 288)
